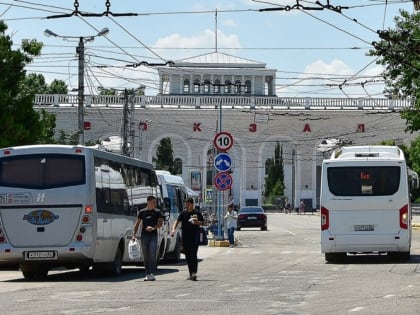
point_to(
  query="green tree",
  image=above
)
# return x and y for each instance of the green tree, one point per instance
(398, 50)
(20, 123)
(34, 83)
(274, 181)
(165, 156)
(57, 87)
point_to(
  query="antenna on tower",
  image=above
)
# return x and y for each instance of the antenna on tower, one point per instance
(215, 31)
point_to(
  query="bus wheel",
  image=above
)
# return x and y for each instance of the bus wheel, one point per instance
(34, 273)
(399, 255)
(116, 267)
(335, 257)
(175, 255)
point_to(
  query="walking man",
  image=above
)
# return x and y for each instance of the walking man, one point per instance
(151, 220)
(190, 220)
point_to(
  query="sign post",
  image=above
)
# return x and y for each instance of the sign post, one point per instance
(222, 141)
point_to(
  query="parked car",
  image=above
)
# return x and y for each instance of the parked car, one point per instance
(252, 217)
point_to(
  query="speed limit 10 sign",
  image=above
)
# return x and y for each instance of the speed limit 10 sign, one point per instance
(223, 141)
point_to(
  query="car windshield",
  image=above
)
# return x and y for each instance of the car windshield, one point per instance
(251, 210)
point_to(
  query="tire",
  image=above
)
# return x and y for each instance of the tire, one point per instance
(335, 257)
(175, 255)
(34, 273)
(116, 266)
(263, 228)
(238, 228)
(399, 255)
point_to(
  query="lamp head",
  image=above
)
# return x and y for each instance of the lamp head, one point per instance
(49, 33)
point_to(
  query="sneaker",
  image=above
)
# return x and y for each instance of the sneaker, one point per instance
(193, 277)
(149, 277)
(231, 245)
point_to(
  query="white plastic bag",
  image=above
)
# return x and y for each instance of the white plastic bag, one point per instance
(133, 249)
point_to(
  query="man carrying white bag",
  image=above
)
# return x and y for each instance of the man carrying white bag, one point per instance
(150, 219)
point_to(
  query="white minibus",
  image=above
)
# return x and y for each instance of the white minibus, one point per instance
(365, 203)
(173, 191)
(70, 206)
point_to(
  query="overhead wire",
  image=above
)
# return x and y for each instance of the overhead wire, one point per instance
(152, 49)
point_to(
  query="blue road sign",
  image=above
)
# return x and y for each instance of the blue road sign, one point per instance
(223, 162)
(223, 181)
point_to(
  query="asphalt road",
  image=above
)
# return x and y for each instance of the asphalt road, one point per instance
(279, 271)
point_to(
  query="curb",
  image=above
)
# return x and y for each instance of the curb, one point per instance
(214, 243)
(415, 226)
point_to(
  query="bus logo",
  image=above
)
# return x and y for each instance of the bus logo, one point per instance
(40, 217)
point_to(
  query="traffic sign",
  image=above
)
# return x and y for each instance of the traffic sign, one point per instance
(223, 181)
(223, 141)
(223, 162)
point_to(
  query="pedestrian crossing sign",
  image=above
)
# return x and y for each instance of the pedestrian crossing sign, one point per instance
(209, 195)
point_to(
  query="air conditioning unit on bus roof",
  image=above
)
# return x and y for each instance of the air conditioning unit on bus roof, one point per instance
(379, 151)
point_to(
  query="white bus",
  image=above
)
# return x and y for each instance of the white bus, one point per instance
(365, 203)
(70, 206)
(174, 193)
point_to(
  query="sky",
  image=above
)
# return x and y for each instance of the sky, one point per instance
(317, 53)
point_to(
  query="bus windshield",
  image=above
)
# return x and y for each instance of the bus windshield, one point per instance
(42, 171)
(364, 180)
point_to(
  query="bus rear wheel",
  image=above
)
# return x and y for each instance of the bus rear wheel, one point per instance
(34, 272)
(399, 255)
(335, 257)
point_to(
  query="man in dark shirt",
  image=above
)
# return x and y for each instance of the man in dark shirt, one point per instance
(191, 220)
(151, 220)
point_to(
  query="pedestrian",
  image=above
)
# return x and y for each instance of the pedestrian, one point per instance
(190, 220)
(231, 220)
(287, 207)
(302, 207)
(150, 219)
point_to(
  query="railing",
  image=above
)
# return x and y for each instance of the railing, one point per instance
(213, 101)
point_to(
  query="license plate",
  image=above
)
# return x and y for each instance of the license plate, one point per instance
(41, 255)
(364, 227)
(252, 218)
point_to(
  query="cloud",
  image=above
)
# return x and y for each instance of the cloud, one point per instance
(323, 79)
(187, 46)
(229, 23)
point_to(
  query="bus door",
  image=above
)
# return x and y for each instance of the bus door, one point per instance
(104, 206)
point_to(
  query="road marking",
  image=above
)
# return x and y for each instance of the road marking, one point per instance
(357, 309)
(289, 232)
(388, 296)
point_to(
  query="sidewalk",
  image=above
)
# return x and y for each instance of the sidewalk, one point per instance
(415, 222)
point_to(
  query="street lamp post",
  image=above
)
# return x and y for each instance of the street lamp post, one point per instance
(80, 50)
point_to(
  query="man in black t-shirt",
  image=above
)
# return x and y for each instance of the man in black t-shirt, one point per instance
(191, 220)
(151, 220)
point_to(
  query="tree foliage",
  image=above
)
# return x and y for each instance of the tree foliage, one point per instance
(274, 181)
(19, 123)
(165, 157)
(399, 52)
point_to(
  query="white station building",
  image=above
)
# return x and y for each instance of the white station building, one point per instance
(201, 97)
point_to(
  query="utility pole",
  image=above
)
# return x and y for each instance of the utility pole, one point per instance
(125, 125)
(80, 50)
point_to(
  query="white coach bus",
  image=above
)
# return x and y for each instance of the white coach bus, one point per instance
(70, 206)
(365, 203)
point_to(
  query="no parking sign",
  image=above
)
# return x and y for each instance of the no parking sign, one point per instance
(223, 181)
